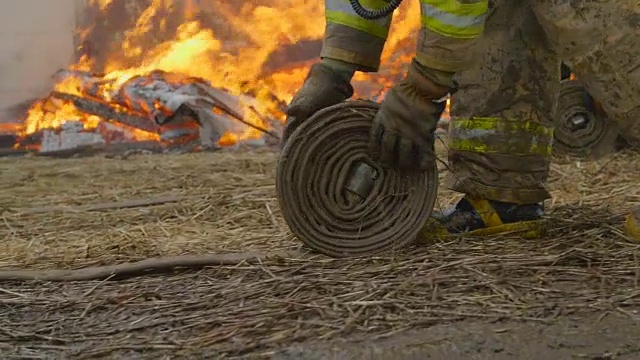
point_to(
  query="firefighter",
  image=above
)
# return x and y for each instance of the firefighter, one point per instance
(500, 142)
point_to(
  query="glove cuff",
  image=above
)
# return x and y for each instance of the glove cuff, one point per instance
(322, 87)
(331, 77)
(341, 68)
(430, 83)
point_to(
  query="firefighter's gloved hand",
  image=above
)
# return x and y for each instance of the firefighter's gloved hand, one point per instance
(403, 133)
(327, 84)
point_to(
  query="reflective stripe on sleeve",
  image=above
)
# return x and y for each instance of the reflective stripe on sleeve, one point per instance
(341, 12)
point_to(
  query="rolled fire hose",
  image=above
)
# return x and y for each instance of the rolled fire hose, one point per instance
(579, 130)
(336, 200)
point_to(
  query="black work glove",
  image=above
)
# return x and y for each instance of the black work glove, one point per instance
(322, 88)
(403, 133)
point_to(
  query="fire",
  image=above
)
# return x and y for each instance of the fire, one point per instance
(234, 59)
(42, 117)
(228, 139)
(447, 110)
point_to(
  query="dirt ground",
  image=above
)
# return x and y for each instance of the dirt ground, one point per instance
(573, 294)
(596, 335)
(581, 337)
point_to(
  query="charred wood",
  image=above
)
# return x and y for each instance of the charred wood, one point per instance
(108, 111)
(8, 140)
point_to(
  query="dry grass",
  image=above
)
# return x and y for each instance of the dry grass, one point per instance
(227, 204)
(584, 264)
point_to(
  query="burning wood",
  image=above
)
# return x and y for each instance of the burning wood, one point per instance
(108, 112)
(71, 135)
(241, 67)
(165, 107)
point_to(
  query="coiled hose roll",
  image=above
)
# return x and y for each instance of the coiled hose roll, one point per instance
(368, 14)
(313, 173)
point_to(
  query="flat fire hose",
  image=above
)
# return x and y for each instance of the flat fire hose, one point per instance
(579, 129)
(339, 202)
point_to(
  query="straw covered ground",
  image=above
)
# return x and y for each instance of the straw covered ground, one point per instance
(224, 202)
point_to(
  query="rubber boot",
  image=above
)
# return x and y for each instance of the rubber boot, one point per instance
(480, 217)
(632, 225)
(327, 83)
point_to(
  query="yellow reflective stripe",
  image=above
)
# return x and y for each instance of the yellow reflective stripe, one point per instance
(488, 214)
(357, 23)
(455, 7)
(494, 123)
(454, 19)
(482, 147)
(500, 136)
(341, 12)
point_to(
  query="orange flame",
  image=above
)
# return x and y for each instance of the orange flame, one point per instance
(233, 61)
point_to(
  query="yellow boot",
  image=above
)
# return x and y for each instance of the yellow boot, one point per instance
(479, 217)
(633, 224)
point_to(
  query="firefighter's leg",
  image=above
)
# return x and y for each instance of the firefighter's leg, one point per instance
(599, 40)
(500, 139)
(351, 44)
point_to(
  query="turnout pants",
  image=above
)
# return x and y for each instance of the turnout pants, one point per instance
(507, 58)
(501, 132)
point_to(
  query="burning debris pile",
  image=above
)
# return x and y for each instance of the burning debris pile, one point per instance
(180, 75)
(159, 111)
